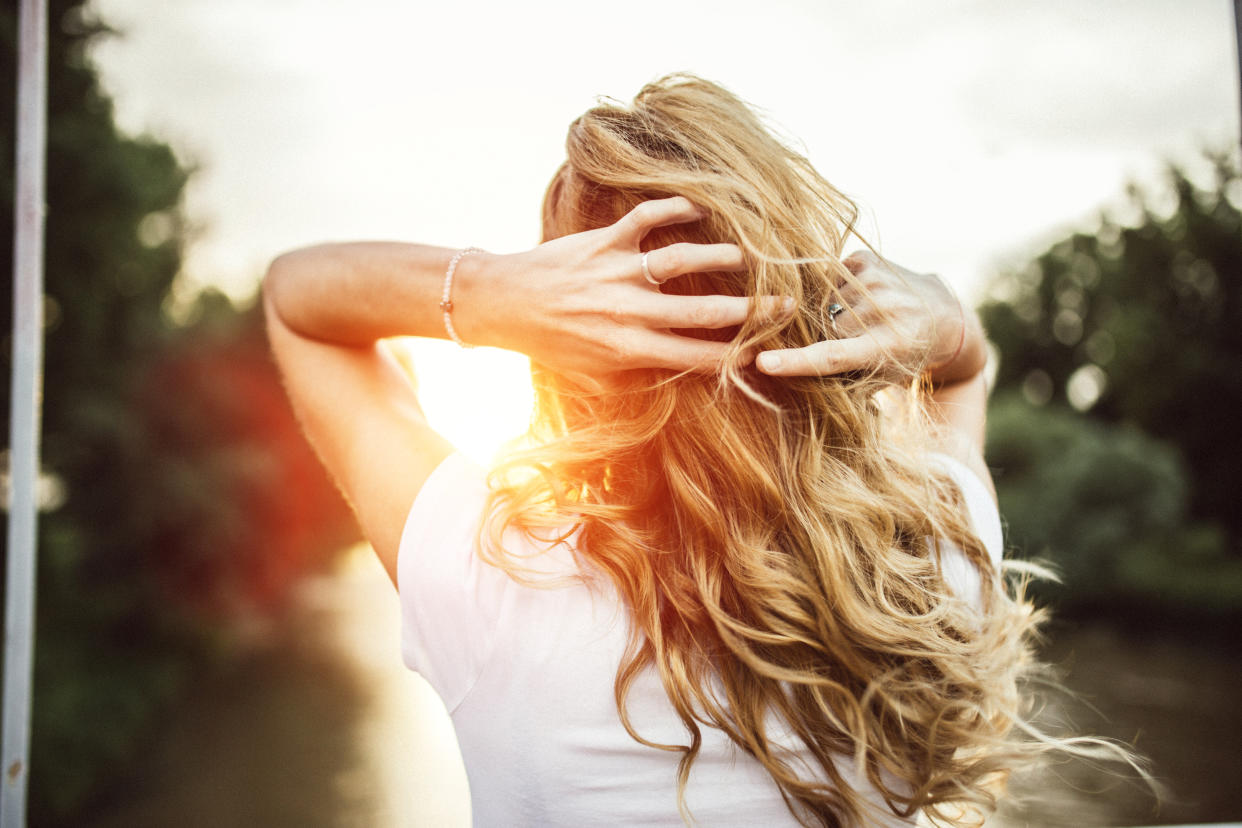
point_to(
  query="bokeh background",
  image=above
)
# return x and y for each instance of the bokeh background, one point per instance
(214, 648)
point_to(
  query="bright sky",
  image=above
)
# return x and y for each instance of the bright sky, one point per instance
(971, 130)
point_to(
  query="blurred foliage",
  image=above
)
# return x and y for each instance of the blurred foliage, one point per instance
(1113, 428)
(189, 498)
(1142, 324)
(1107, 506)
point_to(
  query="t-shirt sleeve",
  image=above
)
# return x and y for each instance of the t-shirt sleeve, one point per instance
(450, 599)
(959, 573)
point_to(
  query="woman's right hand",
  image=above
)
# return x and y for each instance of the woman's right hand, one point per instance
(582, 305)
(894, 321)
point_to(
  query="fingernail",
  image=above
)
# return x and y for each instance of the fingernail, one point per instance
(787, 306)
(769, 361)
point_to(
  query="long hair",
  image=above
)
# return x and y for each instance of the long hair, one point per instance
(776, 540)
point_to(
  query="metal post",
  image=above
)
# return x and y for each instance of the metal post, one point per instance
(25, 401)
(1237, 44)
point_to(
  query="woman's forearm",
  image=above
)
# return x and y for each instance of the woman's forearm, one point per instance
(355, 293)
(580, 304)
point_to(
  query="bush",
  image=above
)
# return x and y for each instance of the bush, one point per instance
(1106, 505)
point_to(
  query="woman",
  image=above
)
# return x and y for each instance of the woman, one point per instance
(747, 571)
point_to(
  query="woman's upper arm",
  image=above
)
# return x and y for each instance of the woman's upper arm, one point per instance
(359, 410)
(960, 409)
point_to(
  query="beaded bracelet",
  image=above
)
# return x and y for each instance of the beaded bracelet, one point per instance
(446, 298)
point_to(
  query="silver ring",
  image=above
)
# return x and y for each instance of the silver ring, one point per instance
(647, 270)
(833, 310)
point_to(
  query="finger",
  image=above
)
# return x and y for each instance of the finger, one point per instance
(848, 322)
(684, 353)
(821, 359)
(679, 259)
(649, 215)
(860, 260)
(670, 311)
(850, 293)
(854, 263)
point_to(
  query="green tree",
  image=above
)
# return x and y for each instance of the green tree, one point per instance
(104, 287)
(187, 490)
(1142, 325)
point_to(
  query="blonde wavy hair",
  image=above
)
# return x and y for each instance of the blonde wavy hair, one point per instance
(776, 537)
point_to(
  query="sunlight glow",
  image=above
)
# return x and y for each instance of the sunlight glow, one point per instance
(478, 399)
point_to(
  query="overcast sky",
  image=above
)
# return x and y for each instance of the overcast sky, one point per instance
(971, 130)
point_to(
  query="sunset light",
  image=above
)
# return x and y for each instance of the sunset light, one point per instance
(238, 594)
(478, 398)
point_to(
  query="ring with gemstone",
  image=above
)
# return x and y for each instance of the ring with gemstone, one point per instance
(833, 310)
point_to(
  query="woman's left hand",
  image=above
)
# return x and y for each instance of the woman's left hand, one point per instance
(894, 321)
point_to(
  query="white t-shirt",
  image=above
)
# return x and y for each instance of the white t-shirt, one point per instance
(527, 675)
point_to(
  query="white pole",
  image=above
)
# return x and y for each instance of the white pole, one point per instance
(25, 403)
(1237, 43)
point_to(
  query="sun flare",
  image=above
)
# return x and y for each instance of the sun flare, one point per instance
(478, 399)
